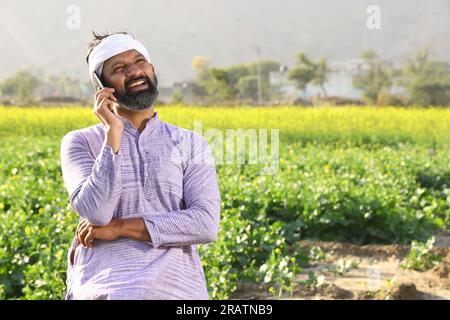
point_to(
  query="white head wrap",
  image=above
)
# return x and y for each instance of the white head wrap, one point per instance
(111, 46)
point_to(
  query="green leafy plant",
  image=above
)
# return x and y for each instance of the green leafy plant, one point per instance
(343, 266)
(280, 271)
(345, 174)
(420, 257)
(313, 280)
(317, 254)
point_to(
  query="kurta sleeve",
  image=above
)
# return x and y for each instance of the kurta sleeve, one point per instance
(93, 184)
(199, 222)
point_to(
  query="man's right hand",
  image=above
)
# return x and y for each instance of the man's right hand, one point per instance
(104, 110)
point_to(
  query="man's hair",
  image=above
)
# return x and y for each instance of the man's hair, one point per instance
(98, 37)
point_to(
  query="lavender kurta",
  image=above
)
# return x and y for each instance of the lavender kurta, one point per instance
(167, 176)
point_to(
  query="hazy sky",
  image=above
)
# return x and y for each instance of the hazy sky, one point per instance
(37, 32)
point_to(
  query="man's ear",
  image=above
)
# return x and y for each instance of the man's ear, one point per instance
(153, 68)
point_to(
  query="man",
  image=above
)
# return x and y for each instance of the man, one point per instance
(146, 191)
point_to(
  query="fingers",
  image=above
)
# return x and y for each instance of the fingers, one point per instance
(108, 95)
(89, 238)
(105, 91)
(108, 115)
(84, 229)
(104, 99)
(104, 108)
(86, 234)
(80, 224)
(102, 96)
(106, 102)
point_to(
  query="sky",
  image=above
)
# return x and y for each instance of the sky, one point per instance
(51, 35)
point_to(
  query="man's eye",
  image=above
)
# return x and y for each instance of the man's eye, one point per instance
(117, 69)
(140, 60)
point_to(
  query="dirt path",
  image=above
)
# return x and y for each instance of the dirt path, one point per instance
(368, 272)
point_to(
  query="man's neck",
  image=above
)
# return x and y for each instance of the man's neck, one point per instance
(137, 118)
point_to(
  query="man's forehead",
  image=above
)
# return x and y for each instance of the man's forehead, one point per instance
(122, 57)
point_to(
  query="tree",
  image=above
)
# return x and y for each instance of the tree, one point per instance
(376, 78)
(321, 75)
(224, 84)
(267, 66)
(63, 85)
(307, 71)
(200, 63)
(177, 96)
(20, 86)
(248, 87)
(428, 82)
(212, 83)
(216, 84)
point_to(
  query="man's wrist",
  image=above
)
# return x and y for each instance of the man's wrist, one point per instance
(113, 137)
(118, 227)
(133, 228)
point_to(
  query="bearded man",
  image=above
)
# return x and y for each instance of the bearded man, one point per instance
(146, 191)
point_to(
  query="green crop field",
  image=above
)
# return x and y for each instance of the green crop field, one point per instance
(362, 175)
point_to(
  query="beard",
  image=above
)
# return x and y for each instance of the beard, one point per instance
(141, 100)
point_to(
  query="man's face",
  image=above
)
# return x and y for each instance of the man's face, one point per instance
(133, 78)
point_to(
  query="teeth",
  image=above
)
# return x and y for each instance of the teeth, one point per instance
(134, 84)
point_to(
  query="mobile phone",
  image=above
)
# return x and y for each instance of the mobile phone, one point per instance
(98, 84)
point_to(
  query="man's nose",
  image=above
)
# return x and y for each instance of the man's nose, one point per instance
(134, 71)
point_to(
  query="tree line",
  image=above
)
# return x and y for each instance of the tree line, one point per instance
(422, 81)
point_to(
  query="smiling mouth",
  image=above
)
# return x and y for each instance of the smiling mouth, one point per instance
(138, 85)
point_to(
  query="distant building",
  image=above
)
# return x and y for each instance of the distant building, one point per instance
(339, 83)
(188, 90)
(280, 87)
(164, 93)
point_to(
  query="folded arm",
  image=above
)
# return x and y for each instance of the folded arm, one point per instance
(198, 223)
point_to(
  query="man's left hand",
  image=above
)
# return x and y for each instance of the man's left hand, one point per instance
(86, 232)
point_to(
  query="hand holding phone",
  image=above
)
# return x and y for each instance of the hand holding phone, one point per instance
(105, 104)
(104, 110)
